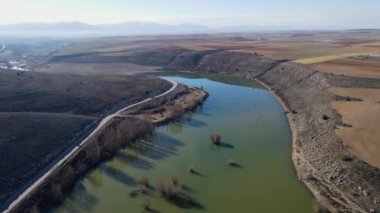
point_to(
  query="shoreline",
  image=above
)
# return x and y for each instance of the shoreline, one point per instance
(59, 162)
(310, 176)
(318, 154)
(71, 166)
(293, 131)
(323, 202)
(294, 157)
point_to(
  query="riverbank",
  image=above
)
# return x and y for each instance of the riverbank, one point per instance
(171, 107)
(115, 132)
(339, 180)
(245, 115)
(323, 202)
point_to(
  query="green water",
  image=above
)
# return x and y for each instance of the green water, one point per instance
(255, 134)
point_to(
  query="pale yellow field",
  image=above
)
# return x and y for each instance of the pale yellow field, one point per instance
(304, 48)
(324, 58)
(194, 47)
(350, 67)
(363, 138)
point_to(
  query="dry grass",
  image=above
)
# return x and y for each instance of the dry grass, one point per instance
(95, 68)
(324, 58)
(194, 47)
(29, 141)
(64, 93)
(42, 114)
(363, 137)
(303, 48)
(350, 67)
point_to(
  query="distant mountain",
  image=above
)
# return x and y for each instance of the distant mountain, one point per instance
(146, 27)
(363, 30)
(63, 26)
(129, 28)
(78, 28)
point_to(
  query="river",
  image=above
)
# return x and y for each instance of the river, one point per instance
(255, 134)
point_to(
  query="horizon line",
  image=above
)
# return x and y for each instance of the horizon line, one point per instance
(279, 28)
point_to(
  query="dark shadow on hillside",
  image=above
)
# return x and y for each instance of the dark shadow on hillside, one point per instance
(119, 175)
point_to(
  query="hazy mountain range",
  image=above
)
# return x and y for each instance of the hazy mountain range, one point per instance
(127, 28)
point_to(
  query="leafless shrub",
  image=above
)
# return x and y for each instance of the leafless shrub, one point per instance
(325, 117)
(161, 188)
(144, 182)
(192, 169)
(231, 162)
(215, 138)
(169, 192)
(347, 158)
(146, 205)
(175, 180)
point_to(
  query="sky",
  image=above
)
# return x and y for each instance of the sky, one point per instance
(297, 14)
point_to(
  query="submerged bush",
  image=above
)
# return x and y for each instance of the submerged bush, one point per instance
(215, 138)
(144, 182)
(192, 169)
(175, 180)
(231, 162)
(146, 205)
(161, 188)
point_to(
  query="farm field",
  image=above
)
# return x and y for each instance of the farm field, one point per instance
(361, 135)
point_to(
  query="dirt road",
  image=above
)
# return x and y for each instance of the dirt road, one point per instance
(40, 180)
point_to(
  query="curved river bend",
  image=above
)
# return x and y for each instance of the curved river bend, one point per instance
(255, 134)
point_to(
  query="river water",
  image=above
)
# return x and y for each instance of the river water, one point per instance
(255, 134)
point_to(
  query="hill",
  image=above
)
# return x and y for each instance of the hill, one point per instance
(43, 115)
